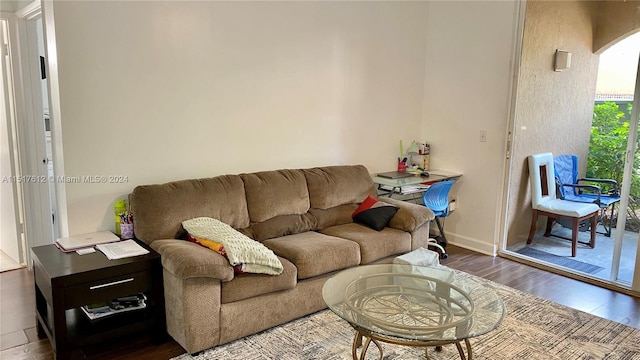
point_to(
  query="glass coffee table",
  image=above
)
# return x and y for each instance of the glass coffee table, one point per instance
(413, 306)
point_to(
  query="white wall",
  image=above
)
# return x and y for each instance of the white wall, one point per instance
(160, 91)
(468, 82)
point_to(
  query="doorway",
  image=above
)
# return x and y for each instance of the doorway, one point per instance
(29, 150)
(614, 257)
(554, 113)
(614, 146)
(12, 244)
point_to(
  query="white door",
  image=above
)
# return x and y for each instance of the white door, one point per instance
(10, 237)
(42, 140)
(30, 150)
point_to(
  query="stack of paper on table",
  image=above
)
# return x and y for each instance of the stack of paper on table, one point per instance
(121, 249)
(409, 189)
(406, 189)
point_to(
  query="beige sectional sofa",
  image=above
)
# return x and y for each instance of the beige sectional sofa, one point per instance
(303, 215)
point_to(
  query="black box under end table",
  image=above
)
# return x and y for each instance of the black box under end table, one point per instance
(66, 282)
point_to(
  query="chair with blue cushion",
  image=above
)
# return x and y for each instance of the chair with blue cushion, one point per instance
(436, 198)
(603, 192)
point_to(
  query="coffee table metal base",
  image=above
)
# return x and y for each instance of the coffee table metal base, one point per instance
(377, 338)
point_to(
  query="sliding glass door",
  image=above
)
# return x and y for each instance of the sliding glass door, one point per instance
(626, 255)
(554, 112)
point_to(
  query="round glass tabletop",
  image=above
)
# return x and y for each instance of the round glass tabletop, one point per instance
(413, 302)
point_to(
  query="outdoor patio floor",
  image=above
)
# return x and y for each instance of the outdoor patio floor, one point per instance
(600, 256)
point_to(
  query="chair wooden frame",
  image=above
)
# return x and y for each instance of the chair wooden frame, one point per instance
(575, 222)
(545, 203)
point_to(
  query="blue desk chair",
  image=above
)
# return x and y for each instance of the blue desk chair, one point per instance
(603, 192)
(436, 198)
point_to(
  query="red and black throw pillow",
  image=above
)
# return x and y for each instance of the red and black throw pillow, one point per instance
(374, 214)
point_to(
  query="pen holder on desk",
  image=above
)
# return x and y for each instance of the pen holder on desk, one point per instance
(402, 166)
(126, 231)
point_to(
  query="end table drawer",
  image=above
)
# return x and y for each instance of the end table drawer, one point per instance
(111, 288)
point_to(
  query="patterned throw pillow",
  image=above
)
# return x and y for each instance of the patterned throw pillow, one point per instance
(374, 214)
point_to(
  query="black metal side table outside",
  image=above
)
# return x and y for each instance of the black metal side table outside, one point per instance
(66, 282)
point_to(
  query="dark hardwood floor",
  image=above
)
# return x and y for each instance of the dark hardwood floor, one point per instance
(18, 338)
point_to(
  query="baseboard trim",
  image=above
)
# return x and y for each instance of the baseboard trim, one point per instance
(472, 244)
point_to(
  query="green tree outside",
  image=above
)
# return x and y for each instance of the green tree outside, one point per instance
(608, 145)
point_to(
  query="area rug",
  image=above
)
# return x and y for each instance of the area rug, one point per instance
(534, 328)
(559, 260)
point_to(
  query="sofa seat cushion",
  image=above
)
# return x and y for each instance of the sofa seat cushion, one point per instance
(249, 285)
(373, 244)
(314, 253)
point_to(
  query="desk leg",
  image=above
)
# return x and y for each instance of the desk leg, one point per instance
(385, 192)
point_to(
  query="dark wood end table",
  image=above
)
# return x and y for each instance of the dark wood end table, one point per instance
(66, 282)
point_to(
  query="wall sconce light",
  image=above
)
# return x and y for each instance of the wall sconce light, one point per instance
(562, 60)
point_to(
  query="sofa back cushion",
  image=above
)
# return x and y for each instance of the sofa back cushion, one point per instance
(275, 193)
(333, 216)
(159, 210)
(332, 186)
(283, 225)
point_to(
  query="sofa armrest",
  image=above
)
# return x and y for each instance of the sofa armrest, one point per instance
(409, 216)
(190, 260)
